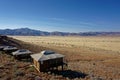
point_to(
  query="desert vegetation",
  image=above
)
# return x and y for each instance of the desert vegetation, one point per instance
(98, 57)
(106, 43)
(89, 58)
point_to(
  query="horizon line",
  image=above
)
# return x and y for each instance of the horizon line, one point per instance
(55, 31)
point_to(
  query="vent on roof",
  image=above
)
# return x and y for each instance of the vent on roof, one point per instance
(48, 52)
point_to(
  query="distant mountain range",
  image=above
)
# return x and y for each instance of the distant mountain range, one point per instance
(31, 32)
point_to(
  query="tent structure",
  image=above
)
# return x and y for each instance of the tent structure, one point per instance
(47, 59)
(10, 48)
(21, 53)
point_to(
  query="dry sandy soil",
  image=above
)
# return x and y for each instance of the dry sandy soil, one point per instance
(89, 58)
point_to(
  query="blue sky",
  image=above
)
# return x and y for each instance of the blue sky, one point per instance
(61, 15)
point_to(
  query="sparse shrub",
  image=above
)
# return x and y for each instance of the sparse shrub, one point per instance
(19, 73)
(72, 45)
(15, 67)
(12, 59)
(31, 69)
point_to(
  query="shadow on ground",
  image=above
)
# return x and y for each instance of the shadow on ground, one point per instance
(25, 60)
(69, 74)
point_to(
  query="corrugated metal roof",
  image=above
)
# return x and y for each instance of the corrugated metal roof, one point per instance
(46, 55)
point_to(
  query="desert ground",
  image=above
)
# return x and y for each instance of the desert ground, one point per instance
(98, 57)
(88, 58)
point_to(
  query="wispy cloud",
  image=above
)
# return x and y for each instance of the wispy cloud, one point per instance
(59, 19)
(71, 22)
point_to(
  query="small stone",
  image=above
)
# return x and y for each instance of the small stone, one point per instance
(30, 75)
(38, 78)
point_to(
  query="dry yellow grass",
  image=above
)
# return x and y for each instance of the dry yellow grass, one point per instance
(106, 43)
(96, 56)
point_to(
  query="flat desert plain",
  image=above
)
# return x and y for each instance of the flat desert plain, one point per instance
(98, 57)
